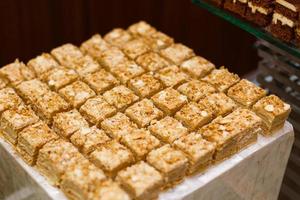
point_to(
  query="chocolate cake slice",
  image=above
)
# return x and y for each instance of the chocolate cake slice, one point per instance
(236, 6)
(284, 19)
(288, 8)
(259, 11)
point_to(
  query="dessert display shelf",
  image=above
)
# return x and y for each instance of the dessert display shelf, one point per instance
(254, 30)
(254, 173)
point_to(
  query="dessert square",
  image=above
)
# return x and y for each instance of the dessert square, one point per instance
(111, 57)
(196, 90)
(31, 90)
(141, 28)
(85, 65)
(88, 139)
(127, 70)
(197, 67)
(194, 115)
(168, 129)
(247, 124)
(170, 162)
(221, 79)
(112, 157)
(224, 134)
(66, 54)
(56, 158)
(14, 120)
(77, 93)
(121, 97)
(199, 151)
(118, 125)
(117, 37)
(110, 190)
(152, 61)
(158, 41)
(59, 77)
(97, 109)
(171, 76)
(81, 180)
(238, 7)
(246, 93)
(9, 99)
(273, 112)
(169, 100)
(100, 81)
(48, 105)
(94, 46)
(282, 26)
(16, 72)
(145, 85)
(135, 48)
(143, 112)
(67, 123)
(219, 104)
(140, 142)
(141, 181)
(42, 64)
(32, 138)
(259, 12)
(177, 53)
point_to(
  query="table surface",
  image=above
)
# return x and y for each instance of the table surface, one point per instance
(182, 191)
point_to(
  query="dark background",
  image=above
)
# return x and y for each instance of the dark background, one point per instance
(30, 27)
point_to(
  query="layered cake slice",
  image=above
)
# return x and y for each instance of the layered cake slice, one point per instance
(284, 19)
(172, 163)
(141, 181)
(198, 150)
(32, 139)
(273, 111)
(112, 157)
(56, 158)
(259, 12)
(81, 180)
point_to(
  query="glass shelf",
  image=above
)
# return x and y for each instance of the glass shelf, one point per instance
(258, 32)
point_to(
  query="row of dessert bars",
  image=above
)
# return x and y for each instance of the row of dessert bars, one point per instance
(128, 114)
(280, 16)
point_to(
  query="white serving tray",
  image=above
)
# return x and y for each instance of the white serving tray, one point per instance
(254, 173)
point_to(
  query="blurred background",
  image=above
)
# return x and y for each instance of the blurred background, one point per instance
(30, 27)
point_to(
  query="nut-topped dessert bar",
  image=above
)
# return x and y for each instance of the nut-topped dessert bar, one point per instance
(129, 114)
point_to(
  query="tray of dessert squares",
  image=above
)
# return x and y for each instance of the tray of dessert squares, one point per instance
(129, 115)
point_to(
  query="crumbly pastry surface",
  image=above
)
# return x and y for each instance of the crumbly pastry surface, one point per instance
(97, 109)
(221, 79)
(141, 180)
(169, 100)
(140, 142)
(170, 162)
(196, 90)
(112, 157)
(246, 93)
(129, 114)
(168, 129)
(143, 112)
(118, 126)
